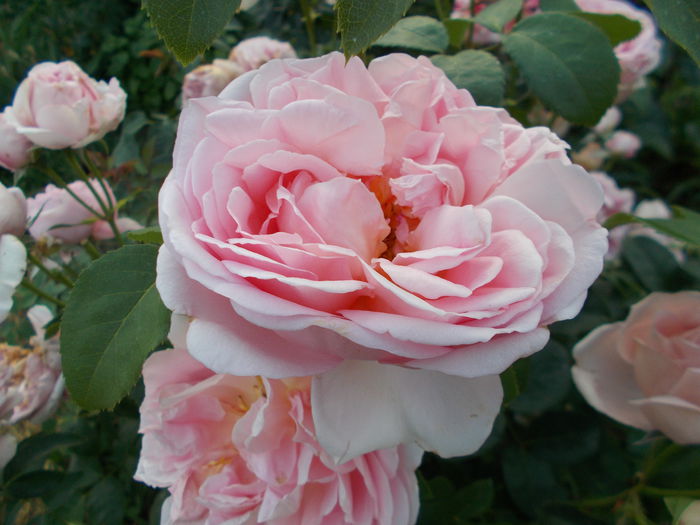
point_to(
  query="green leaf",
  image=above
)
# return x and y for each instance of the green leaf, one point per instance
(150, 235)
(106, 502)
(114, 318)
(559, 5)
(32, 451)
(41, 483)
(530, 481)
(188, 27)
(676, 506)
(456, 30)
(558, 54)
(478, 72)
(498, 14)
(680, 20)
(361, 22)
(617, 27)
(564, 438)
(685, 226)
(416, 32)
(476, 498)
(651, 263)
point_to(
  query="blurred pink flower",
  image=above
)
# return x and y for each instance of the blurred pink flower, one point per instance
(208, 80)
(624, 144)
(252, 53)
(376, 225)
(13, 264)
(14, 147)
(243, 450)
(645, 371)
(609, 121)
(616, 200)
(59, 106)
(13, 211)
(31, 384)
(55, 214)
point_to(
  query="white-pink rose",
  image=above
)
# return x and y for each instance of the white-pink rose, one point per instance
(59, 106)
(638, 56)
(14, 147)
(13, 211)
(209, 79)
(31, 384)
(645, 371)
(55, 214)
(243, 450)
(13, 264)
(252, 53)
(624, 144)
(376, 225)
(609, 121)
(616, 200)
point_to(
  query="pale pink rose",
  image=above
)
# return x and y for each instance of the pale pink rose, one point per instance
(31, 383)
(609, 121)
(616, 200)
(252, 53)
(13, 211)
(481, 35)
(376, 225)
(59, 106)
(624, 144)
(691, 514)
(591, 156)
(638, 56)
(208, 80)
(55, 214)
(14, 147)
(645, 371)
(13, 264)
(243, 450)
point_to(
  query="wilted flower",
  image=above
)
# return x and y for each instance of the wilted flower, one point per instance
(208, 80)
(14, 147)
(31, 384)
(59, 106)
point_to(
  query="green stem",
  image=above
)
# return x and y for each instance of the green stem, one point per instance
(440, 10)
(92, 250)
(58, 180)
(75, 162)
(309, 22)
(679, 493)
(655, 462)
(56, 275)
(41, 293)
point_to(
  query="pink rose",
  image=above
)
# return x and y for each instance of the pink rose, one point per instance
(14, 147)
(13, 264)
(243, 450)
(208, 80)
(13, 211)
(55, 214)
(638, 56)
(59, 106)
(645, 371)
(31, 384)
(616, 200)
(252, 53)
(624, 144)
(483, 36)
(373, 225)
(609, 121)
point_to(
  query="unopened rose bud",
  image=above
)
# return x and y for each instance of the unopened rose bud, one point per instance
(624, 144)
(210, 79)
(13, 211)
(609, 121)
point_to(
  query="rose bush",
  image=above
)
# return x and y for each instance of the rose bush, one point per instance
(645, 371)
(59, 106)
(243, 450)
(323, 217)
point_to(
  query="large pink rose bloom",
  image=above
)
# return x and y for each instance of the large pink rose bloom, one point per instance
(638, 56)
(55, 214)
(333, 219)
(645, 371)
(242, 450)
(59, 106)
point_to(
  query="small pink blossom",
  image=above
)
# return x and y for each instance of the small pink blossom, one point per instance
(252, 53)
(609, 121)
(59, 106)
(210, 79)
(243, 450)
(14, 147)
(13, 211)
(55, 214)
(31, 384)
(616, 200)
(645, 371)
(624, 144)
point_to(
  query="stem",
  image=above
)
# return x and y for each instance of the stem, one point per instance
(75, 162)
(439, 9)
(681, 493)
(92, 250)
(56, 178)
(41, 293)
(309, 22)
(56, 275)
(654, 464)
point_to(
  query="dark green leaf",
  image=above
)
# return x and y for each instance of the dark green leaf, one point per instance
(679, 470)
(417, 32)
(617, 27)
(478, 72)
(685, 226)
(361, 22)
(680, 20)
(651, 263)
(476, 498)
(106, 502)
(113, 320)
(530, 481)
(150, 235)
(559, 5)
(557, 53)
(32, 451)
(564, 438)
(676, 506)
(456, 30)
(188, 27)
(40, 483)
(498, 14)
